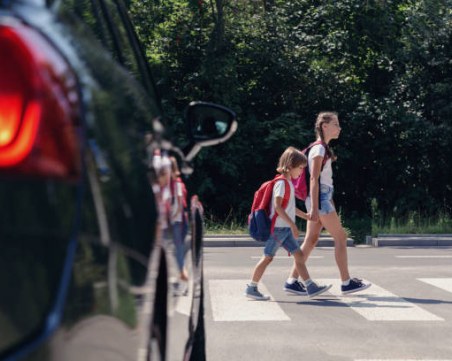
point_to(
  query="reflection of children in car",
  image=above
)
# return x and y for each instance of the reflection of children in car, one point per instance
(177, 217)
(162, 169)
(196, 204)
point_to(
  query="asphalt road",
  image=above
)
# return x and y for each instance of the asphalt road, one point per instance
(405, 315)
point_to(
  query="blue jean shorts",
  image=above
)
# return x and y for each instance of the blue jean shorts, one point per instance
(282, 236)
(326, 200)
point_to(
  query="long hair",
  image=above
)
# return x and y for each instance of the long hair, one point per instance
(322, 118)
(291, 158)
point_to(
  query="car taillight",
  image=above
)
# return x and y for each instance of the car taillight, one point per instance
(39, 107)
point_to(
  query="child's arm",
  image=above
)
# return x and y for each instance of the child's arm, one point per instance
(301, 214)
(282, 213)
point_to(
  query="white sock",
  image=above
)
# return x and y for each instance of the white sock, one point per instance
(346, 282)
(307, 282)
(291, 280)
(253, 284)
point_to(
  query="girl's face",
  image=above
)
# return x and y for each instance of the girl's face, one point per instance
(296, 171)
(332, 129)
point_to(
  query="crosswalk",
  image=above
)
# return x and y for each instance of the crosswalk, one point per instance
(228, 302)
(378, 304)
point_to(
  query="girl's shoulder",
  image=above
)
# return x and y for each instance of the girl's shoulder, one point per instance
(317, 149)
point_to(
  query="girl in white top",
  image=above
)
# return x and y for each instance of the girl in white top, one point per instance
(319, 203)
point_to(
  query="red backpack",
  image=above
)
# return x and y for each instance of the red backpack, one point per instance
(260, 225)
(302, 183)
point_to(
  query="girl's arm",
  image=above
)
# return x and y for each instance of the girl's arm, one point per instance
(314, 187)
(282, 213)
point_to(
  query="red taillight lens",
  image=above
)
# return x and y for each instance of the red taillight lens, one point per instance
(39, 107)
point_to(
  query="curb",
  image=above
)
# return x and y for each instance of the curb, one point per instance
(246, 241)
(382, 240)
(412, 240)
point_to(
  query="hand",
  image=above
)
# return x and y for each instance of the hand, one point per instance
(314, 215)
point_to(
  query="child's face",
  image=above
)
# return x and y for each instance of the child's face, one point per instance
(296, 171)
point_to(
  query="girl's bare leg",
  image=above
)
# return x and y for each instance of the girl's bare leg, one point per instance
(310, 241)
(333, 225)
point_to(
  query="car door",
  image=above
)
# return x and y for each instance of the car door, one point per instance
(87, 241)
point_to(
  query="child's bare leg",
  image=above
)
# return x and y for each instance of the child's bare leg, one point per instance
(260, 268)
(310, 241)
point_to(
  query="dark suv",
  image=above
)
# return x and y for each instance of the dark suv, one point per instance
(86, 272)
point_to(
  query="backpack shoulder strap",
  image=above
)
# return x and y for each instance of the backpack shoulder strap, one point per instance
(286, 197)
(286, 189)
(285, 201)
(308, 148)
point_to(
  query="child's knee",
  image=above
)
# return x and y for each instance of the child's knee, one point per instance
(267, 259)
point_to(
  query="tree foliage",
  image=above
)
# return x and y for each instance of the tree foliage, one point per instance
(383, 65)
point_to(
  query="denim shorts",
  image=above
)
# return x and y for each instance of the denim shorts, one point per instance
(282, 236)
(326, 200)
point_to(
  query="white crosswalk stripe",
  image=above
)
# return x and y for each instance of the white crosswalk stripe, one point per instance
(289, 258)
(230, 304)
(427, 256)
(401, 359)
(378, 304)
(443, 283)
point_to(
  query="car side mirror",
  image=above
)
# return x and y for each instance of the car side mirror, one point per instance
(208, 124)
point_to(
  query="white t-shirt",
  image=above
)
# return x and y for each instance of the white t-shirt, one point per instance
(278, 191)
(326, 175)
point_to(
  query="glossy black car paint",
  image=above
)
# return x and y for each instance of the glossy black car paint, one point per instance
(84, 272)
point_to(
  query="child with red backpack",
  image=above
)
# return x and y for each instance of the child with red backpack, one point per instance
(284, 231)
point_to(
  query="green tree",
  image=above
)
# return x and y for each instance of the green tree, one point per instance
(383, 65)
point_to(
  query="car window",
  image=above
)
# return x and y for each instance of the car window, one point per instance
(90, 13)
(109, 22)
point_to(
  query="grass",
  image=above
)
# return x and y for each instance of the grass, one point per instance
(225, 227)
(234, 226)
(357, 229)
(414, 224)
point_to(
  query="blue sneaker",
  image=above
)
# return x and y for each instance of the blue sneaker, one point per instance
(355, 285)
(314, 290)
(253, 292)
(296, 288)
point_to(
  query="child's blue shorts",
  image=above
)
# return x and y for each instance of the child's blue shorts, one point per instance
(282, 236)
